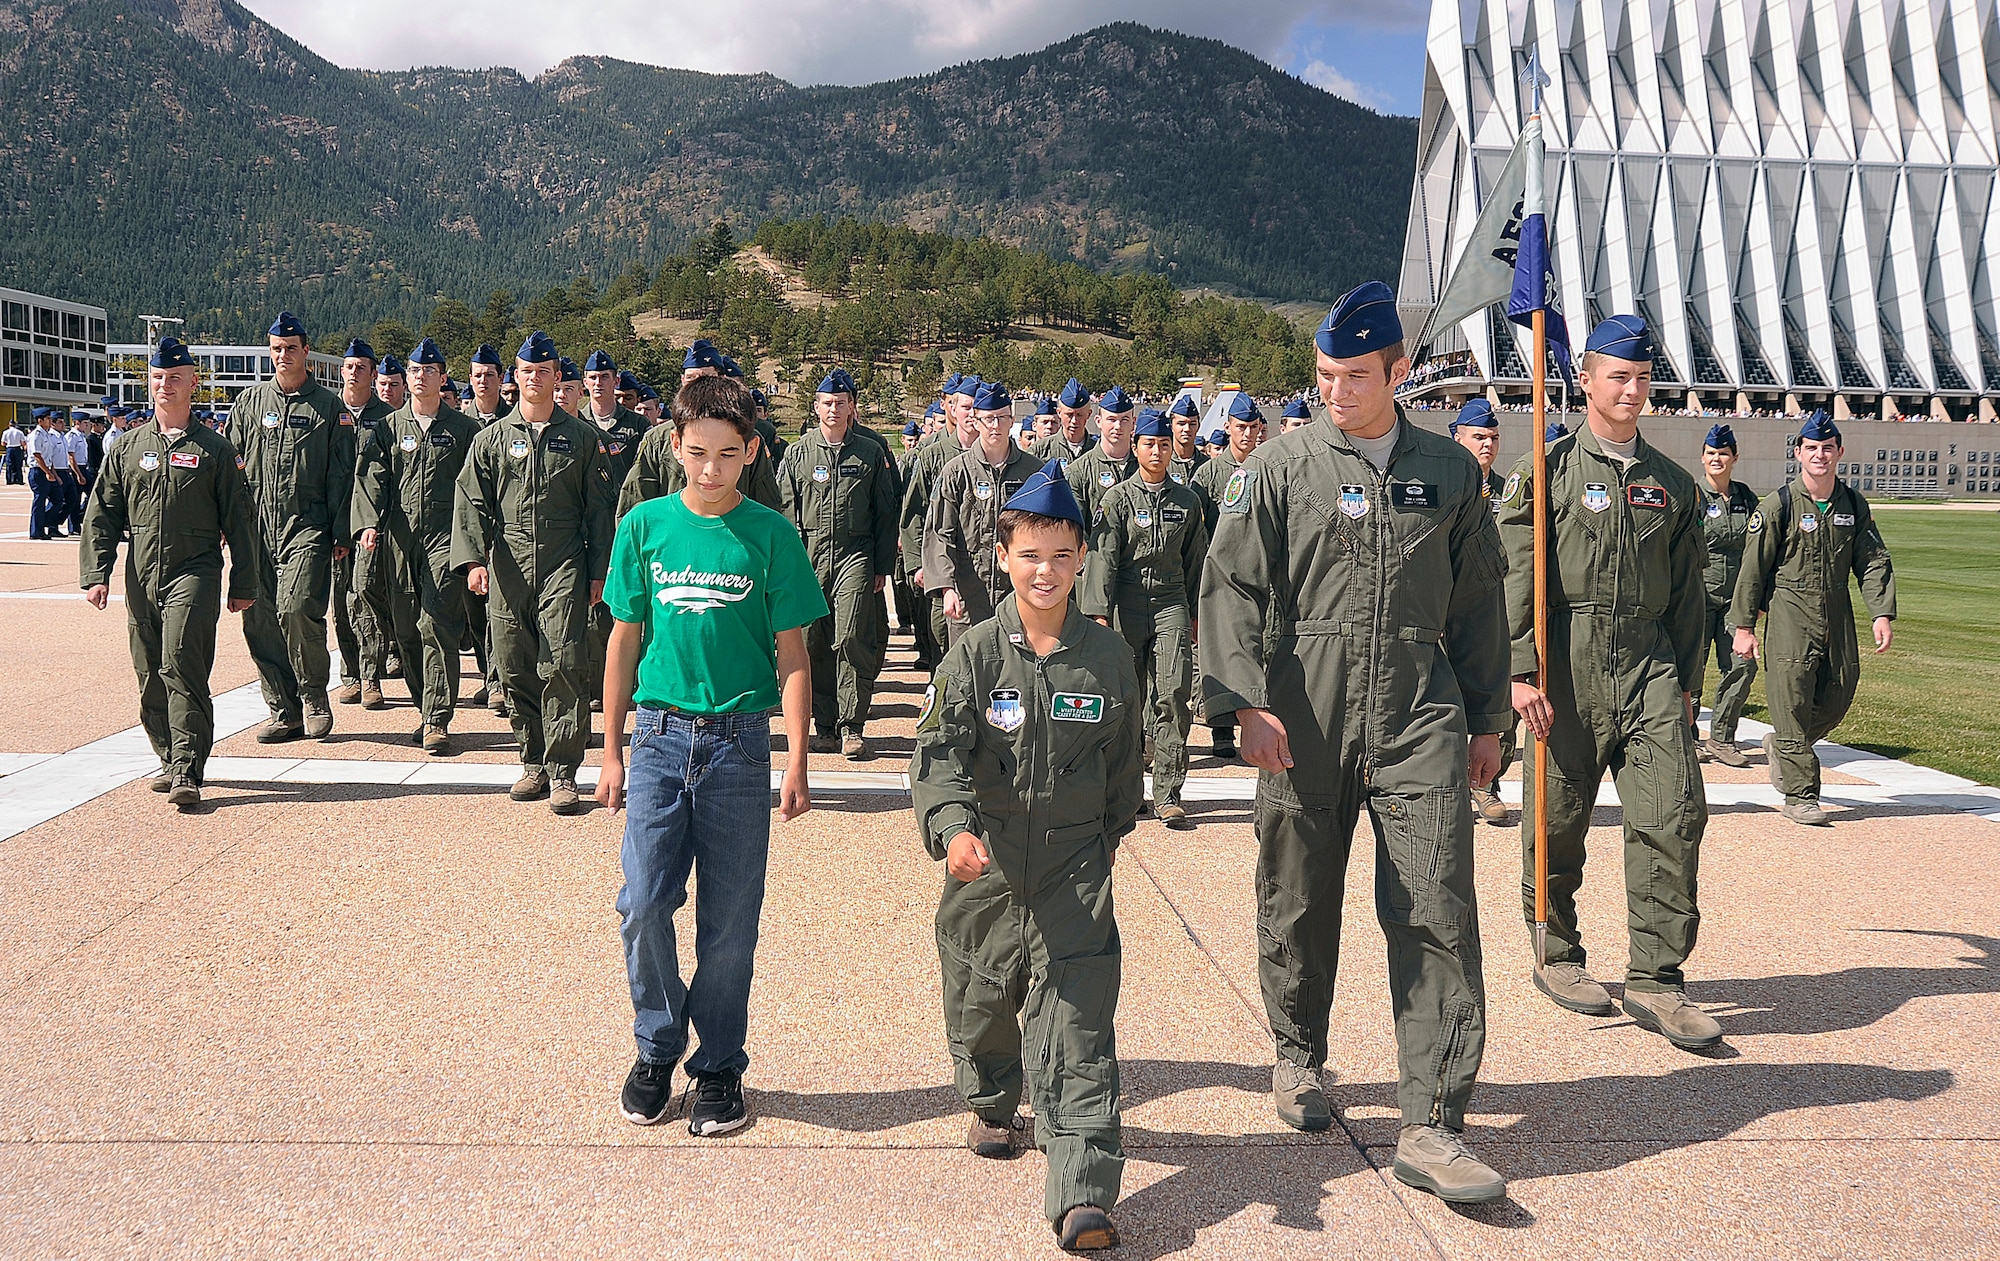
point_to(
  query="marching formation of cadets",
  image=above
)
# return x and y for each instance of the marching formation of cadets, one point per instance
(1350, 600)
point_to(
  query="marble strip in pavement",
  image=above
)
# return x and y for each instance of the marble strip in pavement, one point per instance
(58, 783)
(49, 595)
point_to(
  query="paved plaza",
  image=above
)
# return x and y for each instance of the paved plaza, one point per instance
(361, 1004)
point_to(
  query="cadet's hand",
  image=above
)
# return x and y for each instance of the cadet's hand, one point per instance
(340, 551)
(881, 581)
(1688, 708)
(917, 579)
(597, 592)
(1885, 634)
(1102, 621)
(1534, 708)
(1744, 643)
(475, 579)
(241, 606)
(611, 784)
(1482, 760)
(1265, 745)
(1194, 634)
(368, 539)
(954, 604)
(98, 596)
(794, 795)
(966, 857)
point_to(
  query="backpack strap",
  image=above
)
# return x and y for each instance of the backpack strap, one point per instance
(1784, 541)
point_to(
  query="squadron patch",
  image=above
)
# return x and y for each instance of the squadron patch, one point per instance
(1715, 509)
(1756, 521)
(1808, 523)
(409, 442)
(1236, 495)
(1107, 479)
(1005, 712)
(1142, 516)
(518, 449)
(1513, 485)
(1354, 501)
(1597, 497)
(983, 490)
(271, 420)
(929, 709)
(151, 461)
(822, 474)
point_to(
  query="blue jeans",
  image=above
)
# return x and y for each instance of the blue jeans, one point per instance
(697, 792)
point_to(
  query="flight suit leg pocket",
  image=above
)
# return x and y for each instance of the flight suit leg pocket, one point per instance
(1415, 838)
(1070, 1016)
(1654, 785)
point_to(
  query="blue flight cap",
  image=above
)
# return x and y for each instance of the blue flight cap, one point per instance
(465, 391)
(1153, 423)
(701, 355)
(992, 397)
(1047, 407)
(288, 325)
(537, 349)
(486, 355)
(172, 352)
(1555, 430)
(358, 349)
(600, 362)
(109, 400)
(427, 354)
(967, 385)
(1114, 401)
(1720, 438)
(1047, 494)
(1185, 406)
(950, 384)
(390, 366)
(911, 428)
(1819, 427)
(730, 368)
(570, 372)
(1362, 321)
(626, 381)
(934, 409)
(837, 382)
(39, 412)
(507, 377)
(1074, 395)
(647, 394)
(1243, 407)
(1028, 423)
(757, 397)
(1298, 409)
(1622, 337)
(1476, 414)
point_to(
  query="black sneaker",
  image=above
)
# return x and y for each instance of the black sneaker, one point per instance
(649, 1088)
(718, 1104)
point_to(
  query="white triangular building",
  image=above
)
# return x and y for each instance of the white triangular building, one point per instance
(1797, 194)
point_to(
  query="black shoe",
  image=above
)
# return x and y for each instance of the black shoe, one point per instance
(718, 1104)
(649, 1089)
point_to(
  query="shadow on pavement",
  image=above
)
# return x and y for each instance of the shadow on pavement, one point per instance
(1853, 998)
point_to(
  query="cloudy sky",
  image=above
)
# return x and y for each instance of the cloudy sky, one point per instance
(1370, 51)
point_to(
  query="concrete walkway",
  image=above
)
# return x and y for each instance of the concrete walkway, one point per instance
(364, 1005)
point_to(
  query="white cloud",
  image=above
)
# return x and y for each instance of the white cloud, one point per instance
(805, 41)
(1321, 75)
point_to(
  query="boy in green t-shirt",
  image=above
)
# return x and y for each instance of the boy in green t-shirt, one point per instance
(1026, 775)
(710, 593)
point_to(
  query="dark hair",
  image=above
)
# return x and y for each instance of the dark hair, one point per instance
(1016, 518)
(716, 398)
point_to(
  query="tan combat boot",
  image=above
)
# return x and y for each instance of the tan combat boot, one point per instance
(1806, 812)
(1674, 1018)
(993, 1140)
(534, 782)
(1434, 1158)
(1572, 989)
(1300, 1100)
(564, 798)
(1725, 752)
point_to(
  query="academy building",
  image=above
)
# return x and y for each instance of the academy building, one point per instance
(225, 371)
(1798, 195)
(52, 354)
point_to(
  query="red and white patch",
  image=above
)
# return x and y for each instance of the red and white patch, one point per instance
(184, 459)
(1639, 495)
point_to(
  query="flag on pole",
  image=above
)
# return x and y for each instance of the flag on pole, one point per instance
(1534, 280)
(1485, 271)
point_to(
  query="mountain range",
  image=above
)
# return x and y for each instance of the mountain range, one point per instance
(186, 157)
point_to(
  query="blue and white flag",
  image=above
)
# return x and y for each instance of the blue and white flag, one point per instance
(1534, 276)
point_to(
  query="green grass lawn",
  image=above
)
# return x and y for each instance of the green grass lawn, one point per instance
(1935, 698)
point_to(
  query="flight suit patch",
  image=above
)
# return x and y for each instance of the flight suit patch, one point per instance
(1005, 712)
(1007, 489)
(1756, 521)
(300, 422)
(1107, 479)
(1513, 485)
(184, 459)
(1076, 707)
(1597, 497)
(271, 420)
(1412, 495)
(929, 710)
(1843, 518)
(1639, 495)
(1354, 502)
(1178, 479)
(518, 449)
(409, 442)
(983, 490)
(1173, 516)
(1715, 509)
(151, 461)
(1236, 495)
(822, 474)
(1808, 523)
(440, 439)
(1142, 516)
(561, 445)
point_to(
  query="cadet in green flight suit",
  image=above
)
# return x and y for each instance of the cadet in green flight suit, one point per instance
(1804, 542)
(176, 487)
(965, 510)
(1626, 616)
(1187, 457)
(297, 444)
(359, 609)
(1025, 776)
(1477, 429)
(532, 530)
(619, 431)
(486, 375)
(1093, 474)
(839, 487)
(1726, 508)
(1367, 541)
(1072, 436)
(1145, 571)
(406, 482)
(960, 433)
(1243, 425)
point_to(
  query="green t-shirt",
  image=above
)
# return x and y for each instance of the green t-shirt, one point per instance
(712, 593)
